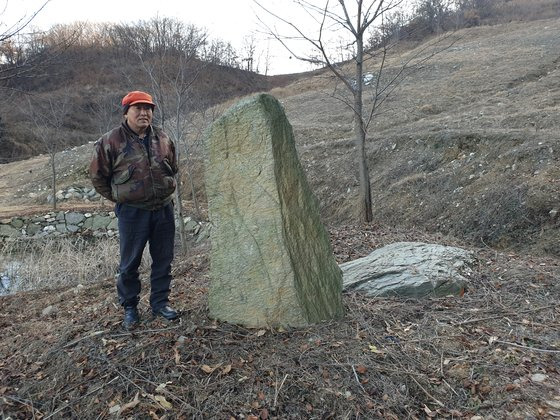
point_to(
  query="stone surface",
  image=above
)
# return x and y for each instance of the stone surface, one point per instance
(271, 261)
(88, 224)
(538, 377)
(114, 225)
(49, 310)
(72, 228)
(17, 223)
(73, 218)
(61, 227)
(409, 269)
(32, 229)
(8, 230)
(100, 222)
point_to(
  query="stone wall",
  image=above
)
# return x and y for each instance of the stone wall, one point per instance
(60, 223)
(57, 223)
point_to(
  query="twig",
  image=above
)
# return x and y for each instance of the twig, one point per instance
(77, 399)
(438, 402)
(450, 387)
(164, 391)
(471, 321)
(358, 379)
(138, 332)
(27, 403)
(91, 335)
(527, 347)
(277, 390)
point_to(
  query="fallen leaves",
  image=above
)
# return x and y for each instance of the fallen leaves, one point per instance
(374, 349)
(210, 369)
(160, 399)
(130, 405)
(361, 369)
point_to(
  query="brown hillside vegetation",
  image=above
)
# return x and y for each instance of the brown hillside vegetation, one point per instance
(464, 153)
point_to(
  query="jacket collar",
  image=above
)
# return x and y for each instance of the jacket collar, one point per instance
(133, 134)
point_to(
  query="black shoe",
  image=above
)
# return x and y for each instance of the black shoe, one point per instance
(131, 317)
(165, 311)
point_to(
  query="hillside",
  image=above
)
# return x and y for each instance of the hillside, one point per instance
(466, 146)
(464, 153)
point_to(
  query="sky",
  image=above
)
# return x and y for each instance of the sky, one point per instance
(228, 20)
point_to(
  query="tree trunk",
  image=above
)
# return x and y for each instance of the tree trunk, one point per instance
(366, 214)
(180, 218)
(193, 192)
(53, 169)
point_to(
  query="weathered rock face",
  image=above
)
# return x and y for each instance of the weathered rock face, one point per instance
(409, 269)
(271, 261)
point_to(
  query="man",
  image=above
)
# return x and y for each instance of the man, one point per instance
(134, 165)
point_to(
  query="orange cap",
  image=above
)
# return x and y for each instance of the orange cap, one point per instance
(137, 97)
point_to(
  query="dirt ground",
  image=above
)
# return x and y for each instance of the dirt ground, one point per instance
(493, 353)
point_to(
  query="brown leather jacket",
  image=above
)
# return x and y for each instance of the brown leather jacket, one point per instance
(123, 171)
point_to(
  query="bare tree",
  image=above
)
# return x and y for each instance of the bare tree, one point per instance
(351, 20)
(14, 57)
(106, 112)
(249, 49)
(172, 67)
(13, 28)
(47, 117)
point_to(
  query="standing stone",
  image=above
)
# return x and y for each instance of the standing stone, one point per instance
(271, 262)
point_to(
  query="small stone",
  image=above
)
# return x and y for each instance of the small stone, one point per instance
(554, 404)
(61, 227)
(78, 288)
(114, 409)
(538, 377)
(114, 225)
(32, 229)
(17, 223)
(7, 230)
(48, 311)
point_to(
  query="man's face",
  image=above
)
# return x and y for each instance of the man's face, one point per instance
(139, 117)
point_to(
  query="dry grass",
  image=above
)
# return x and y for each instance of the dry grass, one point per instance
(60, 261)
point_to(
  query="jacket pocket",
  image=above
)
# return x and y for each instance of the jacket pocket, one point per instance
(123, 176)
(167, 167)
(119, 188)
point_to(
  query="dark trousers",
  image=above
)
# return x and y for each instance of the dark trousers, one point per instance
(136, 228)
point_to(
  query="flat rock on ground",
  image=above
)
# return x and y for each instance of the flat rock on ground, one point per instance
(410, 269)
